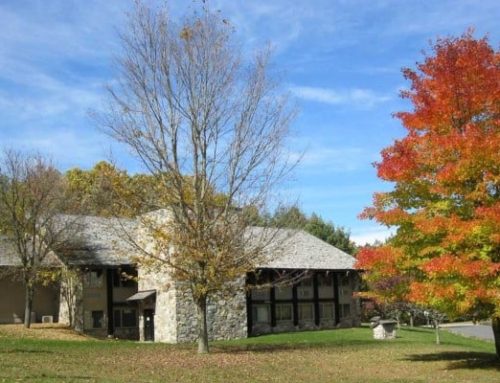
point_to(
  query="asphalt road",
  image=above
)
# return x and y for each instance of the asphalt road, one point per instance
(477, 331)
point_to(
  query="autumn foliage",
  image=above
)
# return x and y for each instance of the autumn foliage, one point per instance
(446, 174)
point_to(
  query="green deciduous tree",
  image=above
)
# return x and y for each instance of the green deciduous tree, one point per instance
(294, 218)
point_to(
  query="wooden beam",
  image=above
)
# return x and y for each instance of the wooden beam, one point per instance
(336, 298)
(272, 295)
(316, 297)
(295, 303)
(109, 300)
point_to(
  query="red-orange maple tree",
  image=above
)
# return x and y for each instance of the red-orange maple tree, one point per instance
(446, 174)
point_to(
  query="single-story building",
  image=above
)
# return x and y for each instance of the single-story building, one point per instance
(117, 297)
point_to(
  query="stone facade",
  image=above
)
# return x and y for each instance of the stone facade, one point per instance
(164, 305)
(226, 314)
(175, 317)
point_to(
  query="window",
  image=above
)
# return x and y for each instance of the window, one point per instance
(284, 312)
(345, 310)
(326, 310)
(305, 289)
(306, 312)
(97, 319)
(125, 277)
(325, 280)
(129, 318)
(261, 314)
(325, 286)
(344, 281)
(345, 286)
(125, 317)
(93, 278)
(283, 292)
(260, 294)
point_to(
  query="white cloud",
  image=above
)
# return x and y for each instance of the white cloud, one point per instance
(371, 234)
(357, 96)
(321, 159)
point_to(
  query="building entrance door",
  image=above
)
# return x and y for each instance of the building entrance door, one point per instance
(149, 325)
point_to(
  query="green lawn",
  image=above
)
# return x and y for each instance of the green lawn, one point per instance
(349, 355)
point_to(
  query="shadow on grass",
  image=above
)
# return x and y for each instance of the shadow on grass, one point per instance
(460, 359)
(273, 347)
(25, 351)
(62, 378)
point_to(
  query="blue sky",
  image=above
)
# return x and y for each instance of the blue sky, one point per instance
(340, 59)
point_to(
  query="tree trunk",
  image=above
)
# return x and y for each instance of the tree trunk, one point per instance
(495, 324)
(71, 319)
(411, 320)
(436, 330)
(201, 306)
(28, 303)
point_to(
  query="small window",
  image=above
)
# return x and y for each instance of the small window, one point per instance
(306, 312)
(325, 280)
(284, 312)
(283, 292)
(129, 318)
(97, 319)
(325, 286)
(260, 294)
(260, 313)
(345, 310)
(94, 278)
(326, 310)
(305, 289)
(344, 281)
(125, 277)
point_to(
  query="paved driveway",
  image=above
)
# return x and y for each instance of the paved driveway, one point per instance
(466, 329)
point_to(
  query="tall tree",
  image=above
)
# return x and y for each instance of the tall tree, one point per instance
(334, 235)
(446, 172)
(294, 218)
(31, 199)
(106, 190)
(210, 127)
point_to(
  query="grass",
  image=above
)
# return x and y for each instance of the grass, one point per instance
(348, 355)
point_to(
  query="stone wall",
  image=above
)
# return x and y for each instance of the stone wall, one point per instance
(165, 318)
(226, 314)
(175, 318)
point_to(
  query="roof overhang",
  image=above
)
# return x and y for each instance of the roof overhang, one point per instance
(141, 295)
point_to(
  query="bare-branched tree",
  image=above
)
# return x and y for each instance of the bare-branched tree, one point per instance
(211, 126)
(31, 198)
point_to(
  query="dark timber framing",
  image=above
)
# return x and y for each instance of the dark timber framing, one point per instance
(267, 276)
(109, 300)
(315, 298)
(336, 297)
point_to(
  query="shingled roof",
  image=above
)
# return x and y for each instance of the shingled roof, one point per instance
(103, 242)
(9, 257)
(100, 242)
(297, 249)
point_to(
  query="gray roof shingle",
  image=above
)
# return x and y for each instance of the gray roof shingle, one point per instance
(103, 241)
(297, 249)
